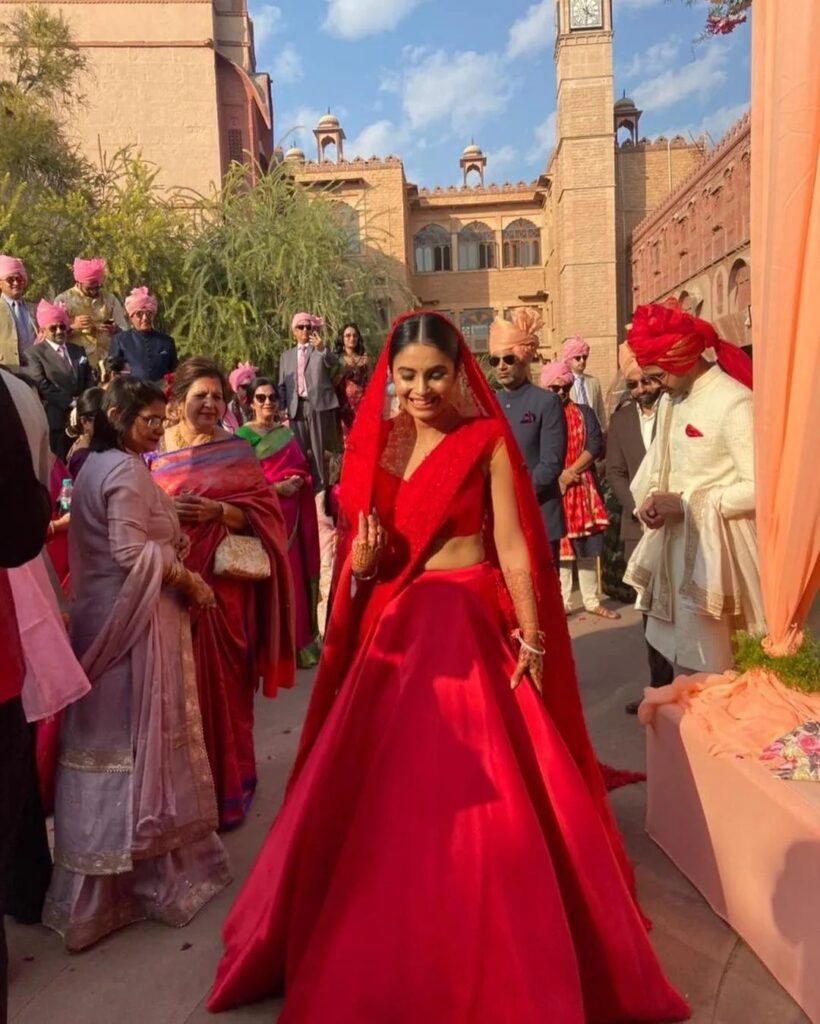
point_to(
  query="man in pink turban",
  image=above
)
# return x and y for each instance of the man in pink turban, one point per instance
(60, 370)
(632, 429)
(585, 514)
(307, 393)
(150, 353)
(586, 389)
(535, 416)
(95, 314)
(17, 328)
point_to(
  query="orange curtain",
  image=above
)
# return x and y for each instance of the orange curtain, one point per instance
(785, 237)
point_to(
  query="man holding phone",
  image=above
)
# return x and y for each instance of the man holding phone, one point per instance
(307, 394)
(95, 315)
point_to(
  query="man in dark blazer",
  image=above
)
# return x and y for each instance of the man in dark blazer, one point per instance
(535, 417)
(60, 370)
(150, 354)
(306, 391)
(631, 432)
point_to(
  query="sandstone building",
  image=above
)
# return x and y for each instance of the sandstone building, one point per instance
(175, 79)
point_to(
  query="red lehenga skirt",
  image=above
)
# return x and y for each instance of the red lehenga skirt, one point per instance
(439, 860)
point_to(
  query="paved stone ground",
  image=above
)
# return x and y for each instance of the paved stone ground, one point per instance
(160, 975)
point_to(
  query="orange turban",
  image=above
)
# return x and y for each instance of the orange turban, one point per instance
(519, 336)
(664, 335)
(627, 363)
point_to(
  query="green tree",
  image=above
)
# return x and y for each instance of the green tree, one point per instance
(265, 252)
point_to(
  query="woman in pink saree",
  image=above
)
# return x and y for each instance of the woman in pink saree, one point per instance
(135, 814)
(288, 472)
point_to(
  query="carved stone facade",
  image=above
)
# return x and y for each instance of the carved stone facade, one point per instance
(695, 244)
(175, 79)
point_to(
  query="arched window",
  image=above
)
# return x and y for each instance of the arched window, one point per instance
(740, 287)
(348, 219)
(432, 247)
(475, 326)
(476, 247)
(522, 244)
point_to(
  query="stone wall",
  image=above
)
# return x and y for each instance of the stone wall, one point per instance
(695, 245)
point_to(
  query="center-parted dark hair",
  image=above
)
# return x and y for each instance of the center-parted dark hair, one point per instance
(260, 382)
(89, 403)
(126, 397)
(425, 329)
(194, 369)
(340, 340)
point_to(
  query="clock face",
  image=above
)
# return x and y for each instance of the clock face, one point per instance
(586, 14)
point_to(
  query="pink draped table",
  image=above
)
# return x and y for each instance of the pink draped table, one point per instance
(750, 842)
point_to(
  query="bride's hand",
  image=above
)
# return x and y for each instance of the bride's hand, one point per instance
(367, 547)
(530, 663)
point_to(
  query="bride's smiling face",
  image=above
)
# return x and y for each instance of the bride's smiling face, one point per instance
(424, 378)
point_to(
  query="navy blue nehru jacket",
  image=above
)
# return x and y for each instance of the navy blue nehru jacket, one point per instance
(150, 354)
(536, 417)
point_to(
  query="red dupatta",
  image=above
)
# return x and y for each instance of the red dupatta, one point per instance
(423, 511)
(584, 509)
(228, 471)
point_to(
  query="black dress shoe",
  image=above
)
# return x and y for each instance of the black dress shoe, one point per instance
(632, 708)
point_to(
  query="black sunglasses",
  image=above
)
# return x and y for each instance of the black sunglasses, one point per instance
(560, 388)
(506, 360)
(302, 327)
(264, 399)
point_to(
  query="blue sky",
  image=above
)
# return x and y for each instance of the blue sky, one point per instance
(421, 78)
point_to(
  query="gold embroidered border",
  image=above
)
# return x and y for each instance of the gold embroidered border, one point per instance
(78, 760)
(201, 776)
(168, 841)
(711, 602)
(109, 863)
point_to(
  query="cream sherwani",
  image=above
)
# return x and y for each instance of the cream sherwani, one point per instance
(697, 579)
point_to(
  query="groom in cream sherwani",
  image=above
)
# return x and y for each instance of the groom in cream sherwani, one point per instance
(695, 568)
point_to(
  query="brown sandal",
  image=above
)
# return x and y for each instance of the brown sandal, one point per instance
(603, 613)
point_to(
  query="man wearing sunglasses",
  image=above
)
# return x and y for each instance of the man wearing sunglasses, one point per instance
(535, 416)
(151, 354)
(631, 431)
(307, 393)
(18, 330)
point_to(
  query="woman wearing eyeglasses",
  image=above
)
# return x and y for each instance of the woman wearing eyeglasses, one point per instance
(584, 509)
(288, 472)
(135, 814)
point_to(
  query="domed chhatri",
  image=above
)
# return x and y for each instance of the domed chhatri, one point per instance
(472, 150)
(329, 135)
(328, 120)
(625, 103)
(295, 155)
(473, 159)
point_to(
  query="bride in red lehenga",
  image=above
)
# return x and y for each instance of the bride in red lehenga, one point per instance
(445, 853)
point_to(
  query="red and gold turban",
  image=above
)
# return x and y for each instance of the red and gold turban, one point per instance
(664, 335)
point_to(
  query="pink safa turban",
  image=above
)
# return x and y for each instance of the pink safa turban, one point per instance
(519, 336)
(555, 373)
(299, 318)
(49, 314)
(139, 300)
(10, 265)
(89, 271)
(243, 374)
(573, 348)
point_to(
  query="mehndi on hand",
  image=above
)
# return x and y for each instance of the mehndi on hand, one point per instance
(367, 548)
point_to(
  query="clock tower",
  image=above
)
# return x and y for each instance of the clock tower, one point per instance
(584, 181)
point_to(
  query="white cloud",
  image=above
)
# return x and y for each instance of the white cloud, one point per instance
(295, 128)
(635, 5)
(700, 77)
(267, 21)
(544, 140)
(355, 19)
(287, 67)
(653, 60)
(460, 88)
(533, 31)
(498, 159)
(381, 138)
(715, 124)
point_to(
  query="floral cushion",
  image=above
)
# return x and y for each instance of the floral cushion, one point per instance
(795, 756)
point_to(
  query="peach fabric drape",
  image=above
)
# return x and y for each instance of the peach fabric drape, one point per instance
(785, 237)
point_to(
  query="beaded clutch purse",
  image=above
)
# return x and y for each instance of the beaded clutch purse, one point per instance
(242, 558)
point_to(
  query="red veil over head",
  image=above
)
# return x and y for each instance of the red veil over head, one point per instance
(354, 616)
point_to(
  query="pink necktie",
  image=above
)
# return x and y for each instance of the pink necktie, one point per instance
(301, 360)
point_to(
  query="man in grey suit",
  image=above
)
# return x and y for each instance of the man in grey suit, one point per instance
(631, 432)
(307, 393)
(536, 416)
(18, 331)
(61, 372)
